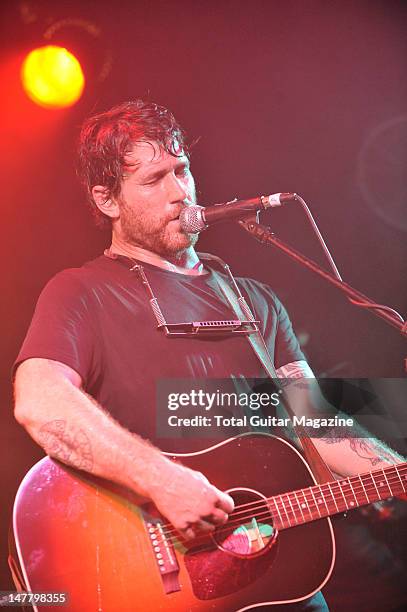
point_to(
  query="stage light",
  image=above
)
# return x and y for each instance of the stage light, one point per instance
(52, 77)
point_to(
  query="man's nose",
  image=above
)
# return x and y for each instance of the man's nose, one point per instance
(176, 189)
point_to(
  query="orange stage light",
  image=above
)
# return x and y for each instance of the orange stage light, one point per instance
(52, 77)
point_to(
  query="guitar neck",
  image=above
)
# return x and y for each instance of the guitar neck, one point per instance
(305, 505)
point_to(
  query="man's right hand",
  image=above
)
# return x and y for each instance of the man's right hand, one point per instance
(71, 427)
(188, 500)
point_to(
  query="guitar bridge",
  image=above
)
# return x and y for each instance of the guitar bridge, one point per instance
(163, 549)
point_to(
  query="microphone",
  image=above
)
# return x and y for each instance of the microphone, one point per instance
(194, 219)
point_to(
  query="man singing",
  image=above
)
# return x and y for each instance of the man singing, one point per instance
(86, 374)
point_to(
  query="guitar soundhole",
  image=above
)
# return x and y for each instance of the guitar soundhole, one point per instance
(249, 531)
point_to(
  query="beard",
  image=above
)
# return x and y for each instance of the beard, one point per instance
(161, 235)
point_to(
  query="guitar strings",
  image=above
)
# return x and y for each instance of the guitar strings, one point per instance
(342, 495)
(357, 487)
(208, 537)
(290, 512)
(291, 518)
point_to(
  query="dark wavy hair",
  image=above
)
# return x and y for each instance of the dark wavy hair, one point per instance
(106, 138)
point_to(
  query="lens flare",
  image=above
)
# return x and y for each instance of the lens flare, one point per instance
(52, 77)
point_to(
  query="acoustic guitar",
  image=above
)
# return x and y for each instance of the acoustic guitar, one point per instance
(112, 552)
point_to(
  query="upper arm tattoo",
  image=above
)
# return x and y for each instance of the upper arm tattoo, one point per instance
(293, 371)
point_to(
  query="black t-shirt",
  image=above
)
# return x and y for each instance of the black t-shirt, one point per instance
(98, 320)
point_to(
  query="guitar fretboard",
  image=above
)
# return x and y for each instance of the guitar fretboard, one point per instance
(305, 505)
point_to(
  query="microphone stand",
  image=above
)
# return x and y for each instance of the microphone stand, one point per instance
(264, 235)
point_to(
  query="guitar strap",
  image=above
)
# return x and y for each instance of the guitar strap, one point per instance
(241, 309)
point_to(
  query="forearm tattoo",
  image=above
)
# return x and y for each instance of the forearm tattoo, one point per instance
(298, 375)
(364, 449)
(71, 447)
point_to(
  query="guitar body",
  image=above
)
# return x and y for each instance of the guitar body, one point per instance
(86, 537)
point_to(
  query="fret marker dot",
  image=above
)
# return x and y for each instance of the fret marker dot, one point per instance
(352, 503)
(320, 501)
(380, 484)
(303, 506)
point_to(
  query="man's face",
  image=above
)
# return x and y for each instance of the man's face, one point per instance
(153, 193)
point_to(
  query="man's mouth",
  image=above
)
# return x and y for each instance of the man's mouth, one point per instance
(175, 225)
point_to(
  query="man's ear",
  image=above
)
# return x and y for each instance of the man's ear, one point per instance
(104, 202)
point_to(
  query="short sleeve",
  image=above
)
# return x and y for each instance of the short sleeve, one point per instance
(287, 347)
(61, 328)
(275, 323)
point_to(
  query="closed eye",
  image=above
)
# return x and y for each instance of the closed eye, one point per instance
(153, 181)
(182, 170)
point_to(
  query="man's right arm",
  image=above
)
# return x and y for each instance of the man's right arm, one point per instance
(72, 427)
